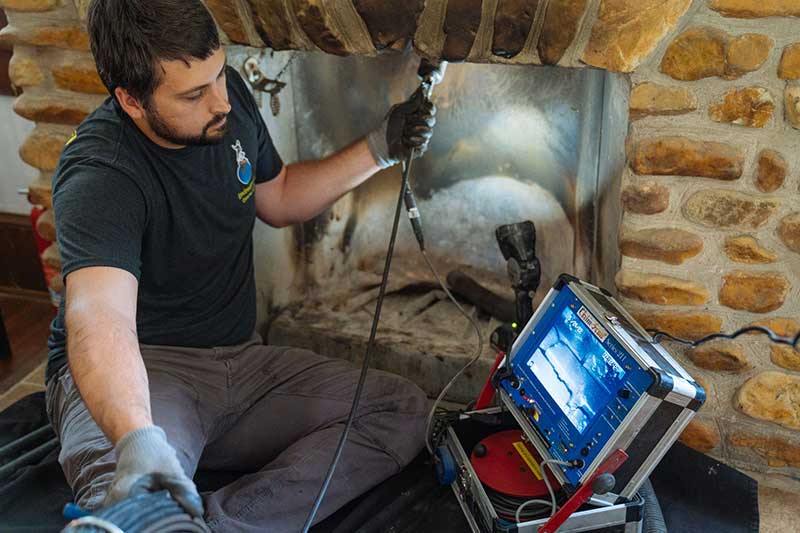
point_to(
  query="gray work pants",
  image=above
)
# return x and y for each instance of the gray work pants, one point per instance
(273, 413)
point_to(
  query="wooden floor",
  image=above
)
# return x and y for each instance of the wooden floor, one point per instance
(27, 318)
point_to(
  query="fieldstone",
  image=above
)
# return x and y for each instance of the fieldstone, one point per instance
(42, 148)
(689, 326)
(51, 257)
(28, 5)
(673, 246)
(513, 20)
(721, 355)
(747, 53)
(705, 52)
(771, 172)
(317, 22)
(24, 72)
(560, 27)
(789, 67)
(756, 292)
(230, 20)
(785, 327)
(785, 357)
(793, 105)
(79, 76)
(388, 26)
(680, 156)
(772, 396)
(652, 99)
(718, 208)
(695, 54)
(751, 106)
(756, 8)
(56, 284)
(40, 192)
(776, 451)
(272, 23)
(789, 231)
(53, 109)
(461, 25)
(66, 37)
(700, 436)
(661, 290)
(745, 249)
(646, 198)
(82, 6)
(46, 226)
(645, 22)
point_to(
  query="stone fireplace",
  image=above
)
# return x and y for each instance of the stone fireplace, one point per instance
(694, 217)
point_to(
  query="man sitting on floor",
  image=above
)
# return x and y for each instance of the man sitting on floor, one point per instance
(154, 365)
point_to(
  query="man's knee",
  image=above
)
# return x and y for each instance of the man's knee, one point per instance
(400, 424)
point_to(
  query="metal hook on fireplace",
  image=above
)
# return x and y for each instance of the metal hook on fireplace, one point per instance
(262, 84)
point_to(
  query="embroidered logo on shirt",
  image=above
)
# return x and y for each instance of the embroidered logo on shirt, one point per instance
(244, 170)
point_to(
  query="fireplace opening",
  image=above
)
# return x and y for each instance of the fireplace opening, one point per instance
(512, 143)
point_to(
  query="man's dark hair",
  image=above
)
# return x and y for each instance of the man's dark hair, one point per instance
(130, 37)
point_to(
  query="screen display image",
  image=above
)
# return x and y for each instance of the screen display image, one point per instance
(575, 369)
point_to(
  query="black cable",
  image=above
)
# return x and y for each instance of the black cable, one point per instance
(365, 365)
(774, 337)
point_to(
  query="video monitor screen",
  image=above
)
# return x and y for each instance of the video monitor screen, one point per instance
(575, 369)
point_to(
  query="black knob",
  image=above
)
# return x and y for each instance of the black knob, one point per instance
(604, 483)
(624, 394)
(584, 451)
(514, 383)
(479, 450)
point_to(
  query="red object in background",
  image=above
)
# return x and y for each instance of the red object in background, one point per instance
(487, 393)
(43, 244)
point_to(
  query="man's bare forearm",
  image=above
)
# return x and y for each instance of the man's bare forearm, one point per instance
(107, 367)
(313, 186)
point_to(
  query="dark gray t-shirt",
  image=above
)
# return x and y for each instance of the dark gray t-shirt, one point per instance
(181, 221)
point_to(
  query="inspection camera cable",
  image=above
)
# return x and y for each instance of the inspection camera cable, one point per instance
(406, 197)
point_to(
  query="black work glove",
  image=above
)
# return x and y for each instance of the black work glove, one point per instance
(146, 462)
(407, 126)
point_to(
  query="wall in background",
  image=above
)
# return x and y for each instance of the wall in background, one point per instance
(14, 174)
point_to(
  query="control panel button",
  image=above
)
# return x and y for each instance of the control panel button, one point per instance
(584, 451)
(624, 394)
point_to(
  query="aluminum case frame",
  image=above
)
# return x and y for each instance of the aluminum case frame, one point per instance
(656, 420)
(482, 518)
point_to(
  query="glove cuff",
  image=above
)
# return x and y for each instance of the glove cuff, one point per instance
(379, 148)
(142, 440)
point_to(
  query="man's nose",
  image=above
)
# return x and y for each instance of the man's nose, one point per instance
(219, 101)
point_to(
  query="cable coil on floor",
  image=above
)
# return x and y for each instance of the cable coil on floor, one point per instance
(153, 512)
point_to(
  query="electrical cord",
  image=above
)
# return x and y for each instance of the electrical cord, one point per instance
(774, 337)
(382, 292)
(552, 502)
(429, 421)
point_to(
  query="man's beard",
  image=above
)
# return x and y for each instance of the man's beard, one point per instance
(166, 132)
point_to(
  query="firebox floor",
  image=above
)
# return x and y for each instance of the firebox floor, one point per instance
(422, 337)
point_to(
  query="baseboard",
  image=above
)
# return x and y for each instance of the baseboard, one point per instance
(25, 294)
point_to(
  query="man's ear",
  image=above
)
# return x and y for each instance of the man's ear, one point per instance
(132, 106)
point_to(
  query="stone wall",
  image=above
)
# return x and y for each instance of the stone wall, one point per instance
(710, 234)
(711, 228)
